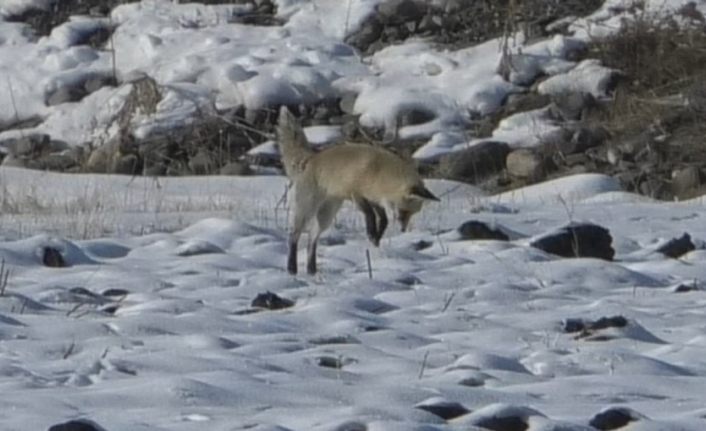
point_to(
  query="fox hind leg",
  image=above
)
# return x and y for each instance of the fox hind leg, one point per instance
(324, 217)
(306, 207)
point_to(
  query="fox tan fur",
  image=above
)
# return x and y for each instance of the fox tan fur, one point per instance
(369, 176)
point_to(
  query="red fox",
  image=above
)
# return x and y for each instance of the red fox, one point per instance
(368, 176)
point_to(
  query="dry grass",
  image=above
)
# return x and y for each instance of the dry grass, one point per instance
(664, 64)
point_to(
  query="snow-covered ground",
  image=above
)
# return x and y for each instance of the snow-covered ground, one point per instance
(173, 346)
(150, 327)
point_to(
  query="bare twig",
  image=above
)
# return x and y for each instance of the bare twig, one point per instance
(370, 267)
(424, 365)
(4, 276)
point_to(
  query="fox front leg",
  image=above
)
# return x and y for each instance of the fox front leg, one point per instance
(375, 219)
(371, 225)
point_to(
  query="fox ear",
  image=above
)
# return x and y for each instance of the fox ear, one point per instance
(422, 192)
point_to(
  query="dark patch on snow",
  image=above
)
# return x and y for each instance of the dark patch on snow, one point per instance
(508, 423)
(115, 292)
(444, 409)
(77, 425)
(587, 328)
(578, 240)
(422, 245)
(477, 230)
(614, 418)
(329, 362)
(53, 258)
(271, 301)
(677, 247)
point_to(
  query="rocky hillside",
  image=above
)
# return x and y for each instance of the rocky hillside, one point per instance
(577, 86)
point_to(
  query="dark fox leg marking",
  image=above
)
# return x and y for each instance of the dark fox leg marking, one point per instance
(292, 258)
(381, 222)
(371, 225)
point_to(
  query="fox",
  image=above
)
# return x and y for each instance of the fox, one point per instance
(369, 176)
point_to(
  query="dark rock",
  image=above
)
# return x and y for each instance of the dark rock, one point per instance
(60, 162)
(96, 82)
(587, 328)
(77, 425)
(684, 288)
(29, 145)
(329, 362)
(65, 94)
(475, 163)
(614, 418)
(523, 102)
(53, 258)
(271, 301)
(509, 423)
(573, 325)
(422, 245)
(585, 138)
(367, 35)
(677, 247)
(477, 230)
(401, 11)
(414, 116)
(571, 106)
(578, 240)
(444, 409)
(609, 322)
(115, 292)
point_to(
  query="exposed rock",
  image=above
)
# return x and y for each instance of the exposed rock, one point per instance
(442, 408)
(615, 418)
(578, 240)
(571, 106)
(526, 164)
(523, 102)
(53, 258)
(580, 325)
(509, 423)
(368, 34)
(77, 425)
(271, 301)
(329, 362)
(585, 138)
(476, 163)
(677, 247)
(401, 11)
(29, 145)
(414, 116)
(477, 230)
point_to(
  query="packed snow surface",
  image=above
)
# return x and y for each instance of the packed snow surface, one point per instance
(150, 327)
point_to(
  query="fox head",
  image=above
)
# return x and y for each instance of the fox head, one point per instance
(412, 204)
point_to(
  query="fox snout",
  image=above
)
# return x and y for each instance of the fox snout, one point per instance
(413, 204)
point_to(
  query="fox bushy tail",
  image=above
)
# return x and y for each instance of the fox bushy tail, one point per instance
(293, 146)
